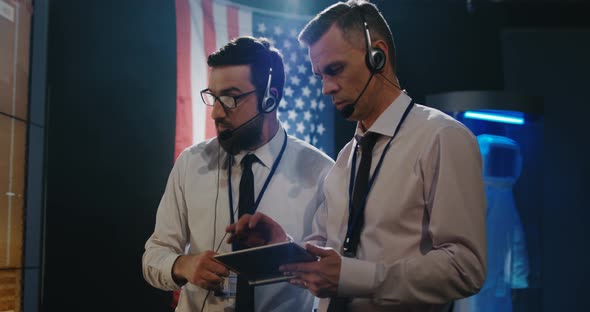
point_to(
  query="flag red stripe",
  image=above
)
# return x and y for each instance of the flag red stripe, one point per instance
(184, 116)
(233, 25)
(210, 47)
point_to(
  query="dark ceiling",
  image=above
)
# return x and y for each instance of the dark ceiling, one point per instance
(527, 13)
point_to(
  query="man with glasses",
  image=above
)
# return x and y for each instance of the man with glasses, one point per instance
(252, 165)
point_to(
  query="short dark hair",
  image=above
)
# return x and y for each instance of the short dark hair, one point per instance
(260, 55)
(348, 16)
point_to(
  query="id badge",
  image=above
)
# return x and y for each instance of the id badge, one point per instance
(229, 286)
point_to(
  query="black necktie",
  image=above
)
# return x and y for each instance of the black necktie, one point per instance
(246, 202)
(245, 292)
(359, 195)
(361, 184)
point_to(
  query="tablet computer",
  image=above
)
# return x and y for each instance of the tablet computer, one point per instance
(260, 265)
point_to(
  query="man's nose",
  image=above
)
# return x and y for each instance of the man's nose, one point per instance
(329, 86)
(218, 111)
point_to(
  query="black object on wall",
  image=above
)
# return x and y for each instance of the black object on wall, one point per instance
(460, 101)
(110, 141)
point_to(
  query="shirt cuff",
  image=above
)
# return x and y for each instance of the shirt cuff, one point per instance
(167, 265)
(357, 278)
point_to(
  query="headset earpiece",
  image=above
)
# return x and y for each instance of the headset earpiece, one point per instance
(375, 57)
(269, 101)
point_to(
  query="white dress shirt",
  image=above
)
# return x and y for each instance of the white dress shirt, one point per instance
(194, 212)
(423, 241)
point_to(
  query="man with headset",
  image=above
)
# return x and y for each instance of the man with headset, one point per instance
(252, 165)
(403, 227)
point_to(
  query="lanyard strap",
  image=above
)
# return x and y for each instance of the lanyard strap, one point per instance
(353, 216)
(266, 182)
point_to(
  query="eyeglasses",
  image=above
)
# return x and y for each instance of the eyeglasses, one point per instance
(228, 101)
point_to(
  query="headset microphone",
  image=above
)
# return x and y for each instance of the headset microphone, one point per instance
(227, 134)
(349, 109)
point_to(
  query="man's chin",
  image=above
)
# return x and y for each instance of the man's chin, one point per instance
(222, 130)
(234, 141)
(228, 144)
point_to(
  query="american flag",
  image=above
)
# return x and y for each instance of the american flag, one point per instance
(203, 26)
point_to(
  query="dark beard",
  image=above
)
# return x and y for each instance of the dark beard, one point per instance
(243, 139)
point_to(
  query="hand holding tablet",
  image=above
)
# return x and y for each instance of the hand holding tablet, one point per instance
(261, 264)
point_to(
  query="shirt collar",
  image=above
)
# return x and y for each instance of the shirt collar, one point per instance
(388, 120)
(267, 153)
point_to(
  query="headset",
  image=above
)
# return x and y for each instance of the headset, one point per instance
(375, 57)
(375, 60)
(269, 101)
(266, 105)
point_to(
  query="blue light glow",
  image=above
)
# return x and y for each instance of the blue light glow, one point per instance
(496, 117)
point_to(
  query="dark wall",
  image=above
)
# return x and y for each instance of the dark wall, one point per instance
(110, 131)
(111, 115)
(559, 75)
